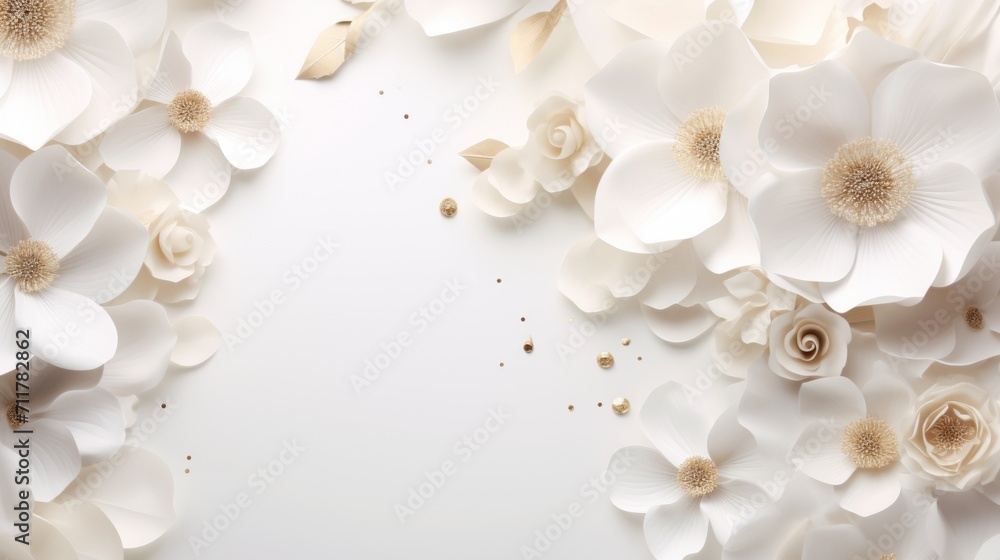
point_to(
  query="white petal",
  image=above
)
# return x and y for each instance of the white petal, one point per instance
(145, 342)
(624, 98)
(888, 397)
(47, 543)
(869, 491)
(102, 53)
(917, 331)
(143, 141)
(6, 68)
(835, 399)
(140, 22)
(594, 275)
(834, 542)
(174, 73)
(937, 113)
(246, 131)
(602, 36)
(221, 60)
(812, 112)
(817, 454)
(7, 359)
(44, 95)
(769, 20)
(511, 180)
(656, 198)
(201, 176)
(799, 236)
(68, 330)
(439, 17)
(55, 460)
(58, 199)
(94, 418)
(85, 527)
(871, 58)
(197, 340)
(487, 198)
(960, 522)
(12, 229)
(676, 425)
(767, 404)
(729, 244)
(895, 261)
(744, 160)
(48, 382)
(676, 530)
(679, 324)
(663, 21)
(727, 507)
(674, 277)
(107, 260)
(734, 450)
(648, 481)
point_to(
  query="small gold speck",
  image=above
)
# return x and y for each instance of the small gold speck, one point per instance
(639, 358)
(600, 404)
(499, 280)
(605, 360)
(620, 405)
(164, 405)
(626, 341)
(381, 92)
(522, 319)
(188, 457)
(529, 345)
(448, 207)
(406, 116)
(187, 471)
(430, 161)
(572, 408)
(501, 364)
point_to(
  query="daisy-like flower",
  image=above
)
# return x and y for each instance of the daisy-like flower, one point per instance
(66, 66)
(198, 129)
(878, 192)
(703, 472)
(666, 181)
(64, 253)
(73, 422)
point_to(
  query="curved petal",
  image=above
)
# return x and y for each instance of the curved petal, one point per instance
(140, 22)
(58, 199)
(925, 331)
(12, 229)
(94, 418)
(7, 322)
(811, 113)
(143, 141)
(6, 68)
(197, 340)
(835, 400)
(145, 342)
(48, 382)
(799, 236)
(679, 324)
(201, 176)
(594, 275)
(675, 277)
(731, 243)
(960, 522)
(727, 507)
(511, 180)
(938, 113)
(663, 21)
(68, 330)
(676, 425)
(439, 17)
(102, 53)
(246, 131)
(174, 73)
(88, 530)
(744, 160)
(221, 60)
(487, 198)
(817, 454)
(734, 450)
(55, 460)
(602, 36)
(674, 531)
(106, 262)
(649, 481)
(869, 491)
(834, 542)
(871, 58)
(44, 95)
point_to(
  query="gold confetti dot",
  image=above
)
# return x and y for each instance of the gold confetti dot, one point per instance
(640, 358)
(187, 471)
(522, 319)
(448, 207)
(600, 404)
(529, 345)
(501, 364)
(406, 116)
(164, 405)
(572, 408)
(605, 360)
(381, 92)
(430, 161)
(188, 457)
(499, 280)
(626, 341)
(620, 405)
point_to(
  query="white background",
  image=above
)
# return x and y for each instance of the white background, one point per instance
(291, 378)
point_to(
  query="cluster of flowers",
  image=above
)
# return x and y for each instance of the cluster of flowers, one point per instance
(94, 254)
(815, 185)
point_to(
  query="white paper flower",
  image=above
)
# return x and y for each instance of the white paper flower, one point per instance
(560, 147)
(703, 472)
(66, 66)
(809, 342)
(180, 244)
(64, 253)
(145, 342)
(879, 193)
(666, 181)
(72, 421)
(198, 128)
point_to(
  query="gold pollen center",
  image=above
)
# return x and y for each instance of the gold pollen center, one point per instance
(31, 29)
(696, 146)
(870, 443)
(32, 264)
(189, 111)
(698, 476)
(868, 182)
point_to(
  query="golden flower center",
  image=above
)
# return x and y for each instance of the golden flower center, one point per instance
(696, 146)
(15, 417)
(974, 317)
(698, 476)
(868, 182)
(870, 443)
(31, 29)
(950, 433)
(32, 264)
(189, 111)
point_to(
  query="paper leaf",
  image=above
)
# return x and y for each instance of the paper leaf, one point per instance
(481, 155)
(531, 33)
(334, 46)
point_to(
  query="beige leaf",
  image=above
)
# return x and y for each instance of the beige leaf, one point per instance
(334, 46)
(531, 33)
(481, 155)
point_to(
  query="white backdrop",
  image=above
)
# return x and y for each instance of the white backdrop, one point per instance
(288, 383)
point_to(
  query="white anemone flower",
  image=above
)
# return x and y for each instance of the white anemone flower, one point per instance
(198, 129)
(67, 69)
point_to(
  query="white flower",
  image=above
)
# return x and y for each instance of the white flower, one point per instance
(962, 525)
(65, 251)
(878, 194)
(959, 324)
(180, 244)
(197, 127)
(809, 342)
(702, 473)
(67, 66)
(666, 181)
(560, 147)
(72, 422)
(440, 17)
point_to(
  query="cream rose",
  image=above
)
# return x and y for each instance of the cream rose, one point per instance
(955, 438)
(809, 342)
(559, 148)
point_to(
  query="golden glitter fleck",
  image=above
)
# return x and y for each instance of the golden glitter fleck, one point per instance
(187, 471)
(381, 92)
(189, 111)
(15, 417)
(448, 207)
(868, 182)
(950, 432)
(698, 476)
(600, 404)
(626, 341)
(31, 29)
(870, 443)
(974, 317)
(605, 360)
(639, 358)
(501, 364)
(406, 116)
(571, 408)
(529, 345)
(188, 457)
(890, 556)
(430, 161)
(696, 149)
(620, 405)
(32, 264)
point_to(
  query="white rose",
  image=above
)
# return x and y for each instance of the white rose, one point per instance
(809, 342)
(955, 439)
(559, 147)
